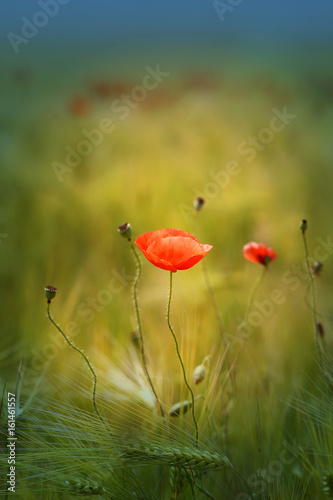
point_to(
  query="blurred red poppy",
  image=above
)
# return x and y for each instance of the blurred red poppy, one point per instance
(107, 88)
(258, 252)
(79, 106)
(172, 249)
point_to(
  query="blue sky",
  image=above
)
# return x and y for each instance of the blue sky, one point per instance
(92, 26)
(266, 19)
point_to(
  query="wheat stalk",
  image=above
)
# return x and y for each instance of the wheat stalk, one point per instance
(193, 459)
(85, 487)
(186, 457)
(328, 485)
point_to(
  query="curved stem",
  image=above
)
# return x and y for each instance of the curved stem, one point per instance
(181, 363)
(313, 299)
(140, 328)
(83, 355)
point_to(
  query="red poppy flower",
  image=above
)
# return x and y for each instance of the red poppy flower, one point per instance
(171, 249)
(258, 252)
(79, 106)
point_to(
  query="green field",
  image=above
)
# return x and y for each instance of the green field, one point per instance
(256, 144)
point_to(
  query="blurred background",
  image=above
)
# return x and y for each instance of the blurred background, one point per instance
(116, 112)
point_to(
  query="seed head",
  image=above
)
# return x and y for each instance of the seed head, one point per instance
(316, 268)
(198, 203)
(200, 371)
(50, 292)
(180, 408)
(199, 374)
(303, 225)
(125, 230)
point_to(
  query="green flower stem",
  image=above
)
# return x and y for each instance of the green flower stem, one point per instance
(137, 259)
(181, 362)
(254, 291)
(313, 300)
(83, 355)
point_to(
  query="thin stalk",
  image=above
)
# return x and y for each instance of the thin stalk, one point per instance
(83, 355)
(137, 277)
(181, 363)
(313, 299)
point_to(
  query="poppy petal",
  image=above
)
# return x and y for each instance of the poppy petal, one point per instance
(158, 261)
(172, 249)
(175, 249)
(258, 252)
(145, 239)
(250, 251)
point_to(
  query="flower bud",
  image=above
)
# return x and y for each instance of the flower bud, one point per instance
(198, 203)
(316, 268)
(200, 371)
(50, 292)
(303, 225)
(125, 230)
(180, 408)
(199, 374)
